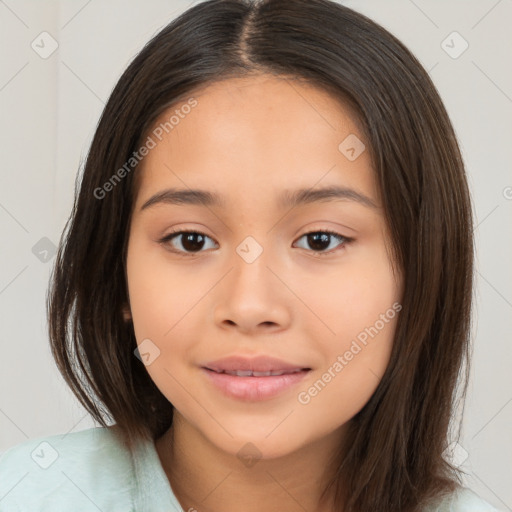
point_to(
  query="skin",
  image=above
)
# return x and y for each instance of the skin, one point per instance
(249, 139)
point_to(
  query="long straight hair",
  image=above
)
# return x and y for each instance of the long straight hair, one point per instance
(392, 459)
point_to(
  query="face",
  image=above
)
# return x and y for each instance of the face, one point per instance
(253, 274)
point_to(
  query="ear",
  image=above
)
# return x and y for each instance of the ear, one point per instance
(127, 314)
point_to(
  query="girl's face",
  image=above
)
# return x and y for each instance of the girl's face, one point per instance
(264, 277)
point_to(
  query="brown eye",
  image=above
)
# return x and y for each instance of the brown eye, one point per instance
(321, 241)
(186, 241)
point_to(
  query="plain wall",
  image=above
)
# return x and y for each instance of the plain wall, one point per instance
(50, 107)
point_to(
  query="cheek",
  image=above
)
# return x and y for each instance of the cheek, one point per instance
(351, 297)
(360, 306)
(161, 302)
(159, 298)
(354, 362)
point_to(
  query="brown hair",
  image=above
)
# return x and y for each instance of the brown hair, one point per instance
(392, 458)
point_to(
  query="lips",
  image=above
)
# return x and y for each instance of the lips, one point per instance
(254, 388)
(259, 366)
(249, 373)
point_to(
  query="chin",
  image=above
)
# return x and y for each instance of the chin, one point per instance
(255, 444)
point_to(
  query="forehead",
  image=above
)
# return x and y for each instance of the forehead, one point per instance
(267, 90)
(255, 133)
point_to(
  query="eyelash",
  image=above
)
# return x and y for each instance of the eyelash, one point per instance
(174, 234)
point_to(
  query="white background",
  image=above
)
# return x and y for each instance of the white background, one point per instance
(50, 108)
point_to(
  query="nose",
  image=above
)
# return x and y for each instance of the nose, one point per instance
(252, 297)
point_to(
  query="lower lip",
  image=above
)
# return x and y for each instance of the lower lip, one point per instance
(254, 388)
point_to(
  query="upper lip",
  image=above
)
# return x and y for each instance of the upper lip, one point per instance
(255, 364)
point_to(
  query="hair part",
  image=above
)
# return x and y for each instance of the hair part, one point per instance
(392, 457)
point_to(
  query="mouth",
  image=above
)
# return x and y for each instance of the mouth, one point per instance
(255, 366)
(249, 373)
(253, 379)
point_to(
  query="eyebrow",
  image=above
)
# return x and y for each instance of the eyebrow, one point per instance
(287, 199)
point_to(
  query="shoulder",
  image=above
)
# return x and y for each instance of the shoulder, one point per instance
(84, 468)
(465, 500)
(462, 500)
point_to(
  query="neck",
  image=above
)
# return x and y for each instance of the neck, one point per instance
(205, 478)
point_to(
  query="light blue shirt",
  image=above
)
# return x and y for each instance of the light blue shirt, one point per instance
(91, 470)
